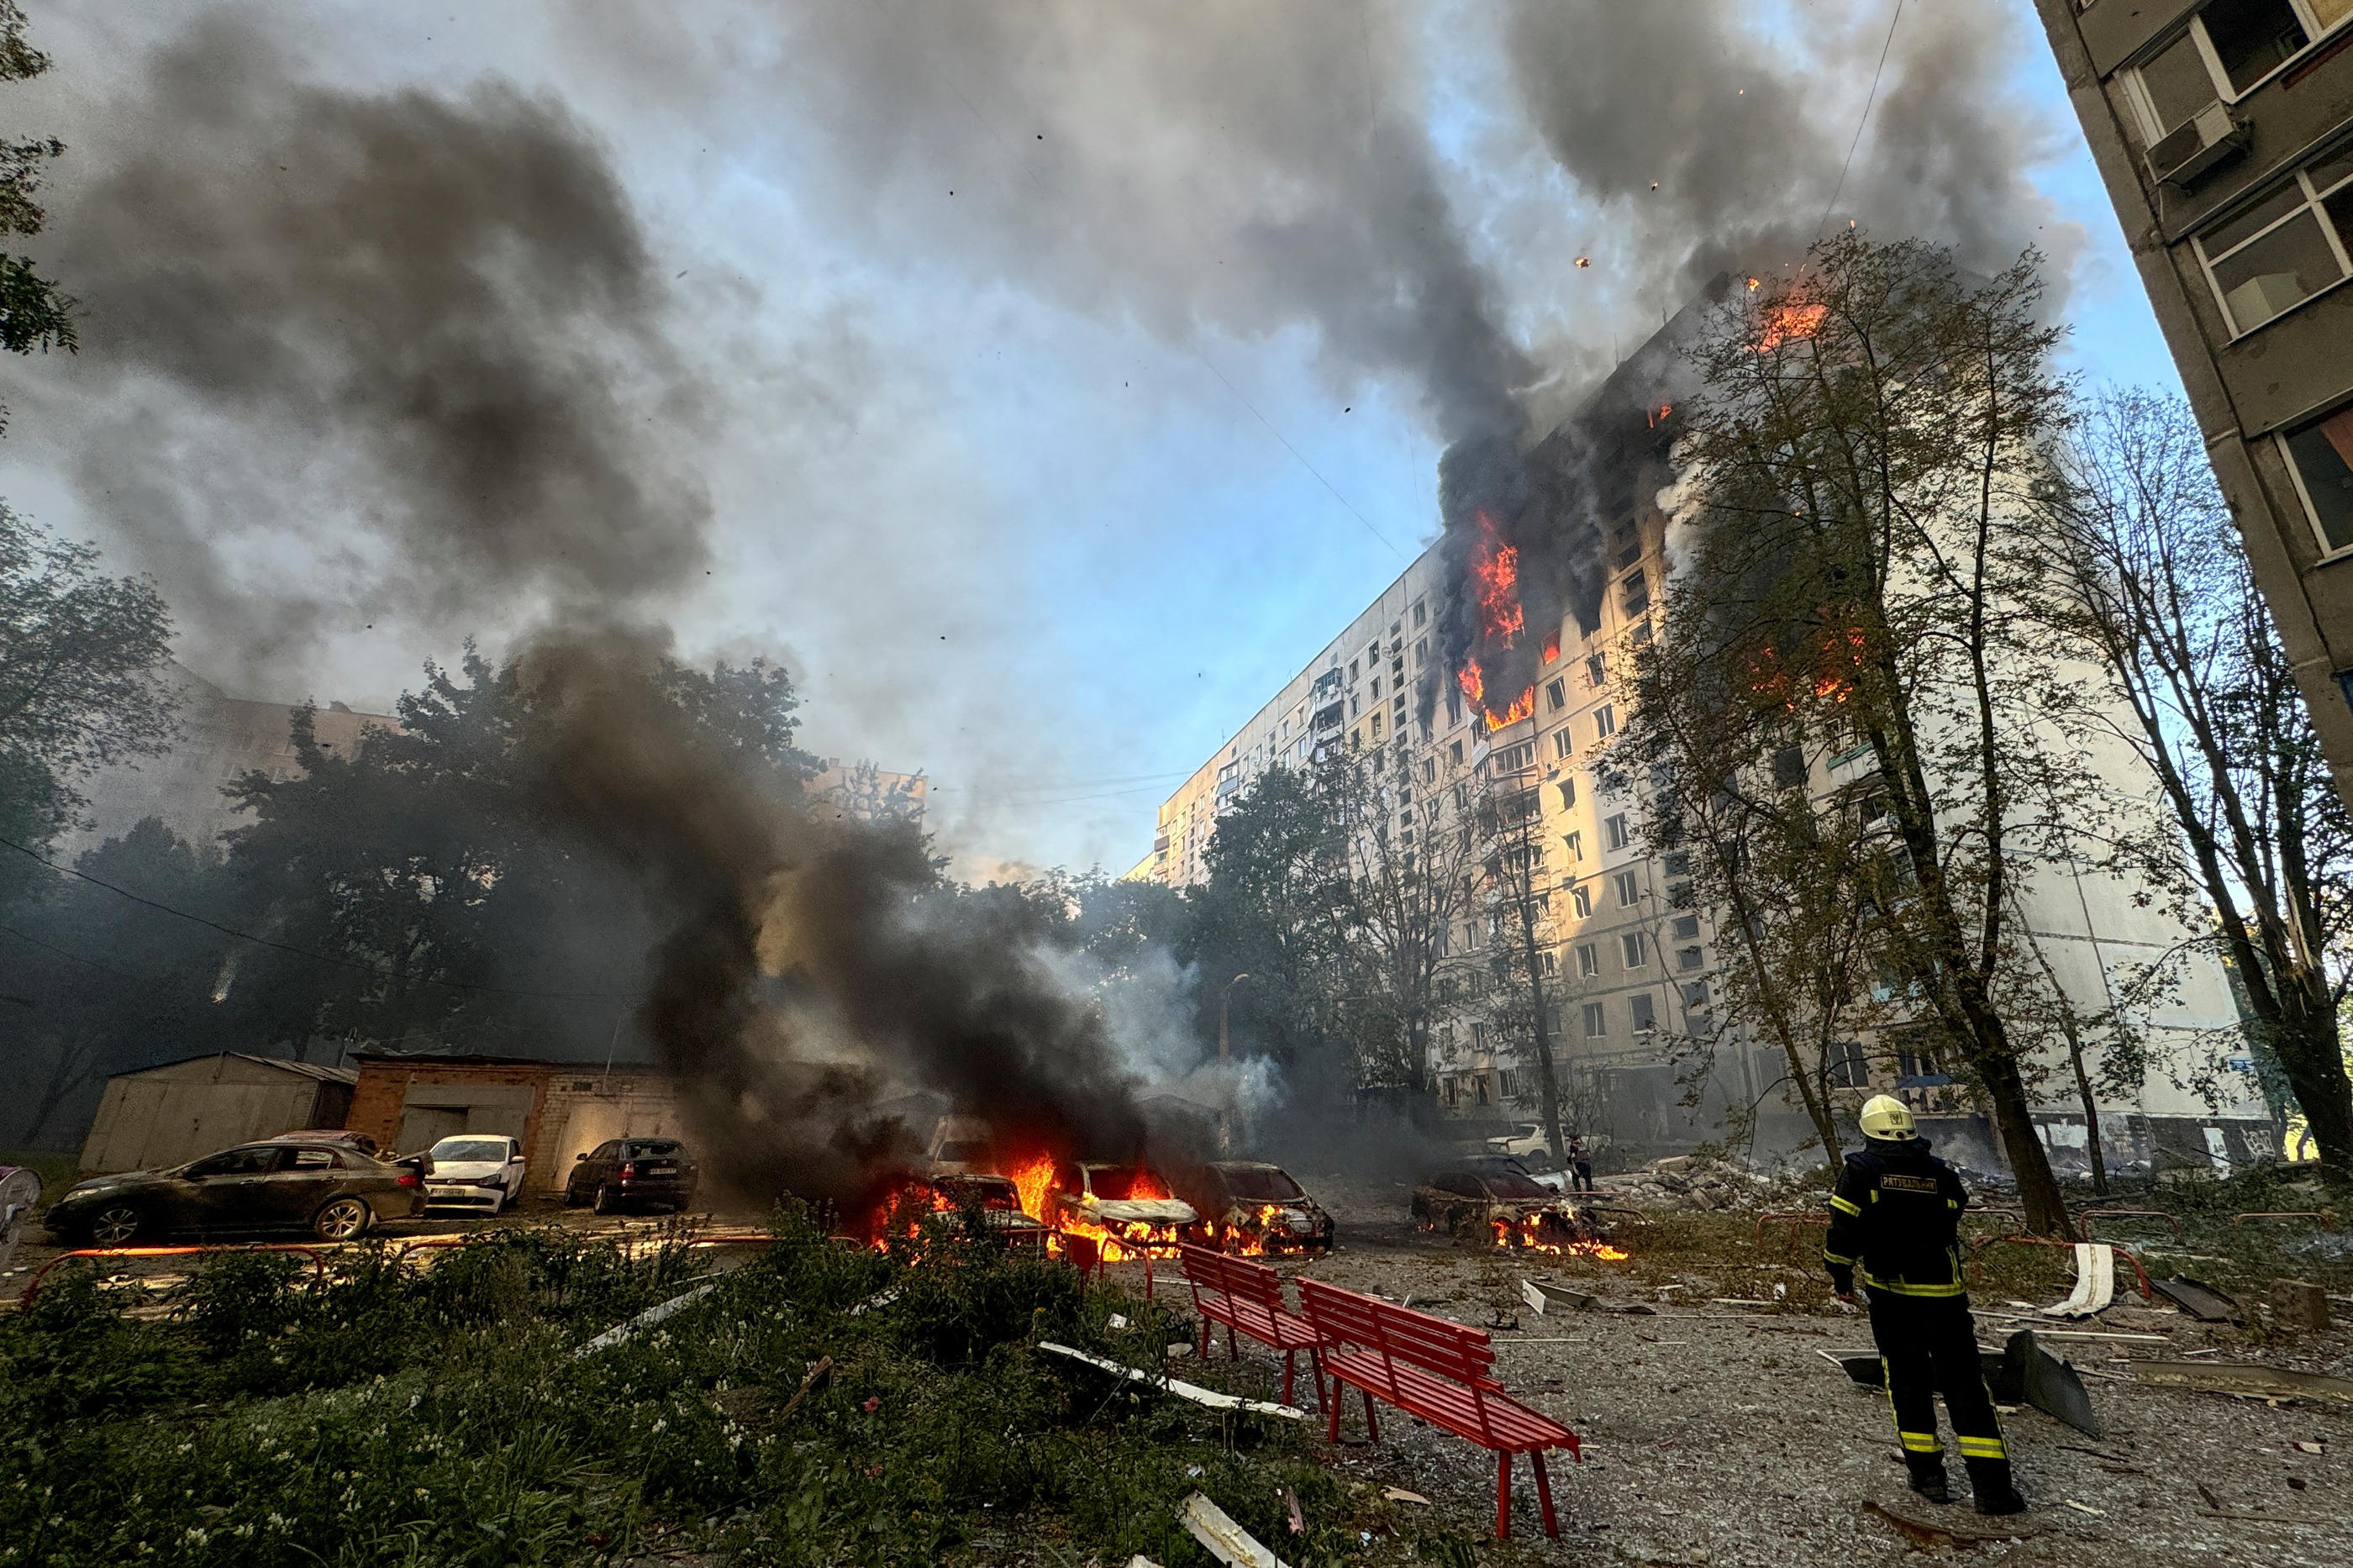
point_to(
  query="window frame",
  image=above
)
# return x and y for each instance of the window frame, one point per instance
(2303, 493)
(2316, 34)
(1634, 949)
(1629, 884)
(2313, 198)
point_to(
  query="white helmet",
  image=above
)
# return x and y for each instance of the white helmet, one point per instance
(1886, 1118)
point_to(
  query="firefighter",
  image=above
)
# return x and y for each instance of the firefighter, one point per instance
(1896, 1221)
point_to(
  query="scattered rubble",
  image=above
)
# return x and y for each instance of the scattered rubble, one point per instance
(1689, 1182)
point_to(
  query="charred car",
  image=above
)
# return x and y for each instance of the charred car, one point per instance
(334, 1190)
(994, 1201)
(1249, 1206)
(1496, 1199)
(1125, 1203)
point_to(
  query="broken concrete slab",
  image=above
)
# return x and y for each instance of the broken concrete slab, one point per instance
(2251, 1379)
(2299, 1304)
(1541, 1298)
(1208, 1398)
(1224, 1540)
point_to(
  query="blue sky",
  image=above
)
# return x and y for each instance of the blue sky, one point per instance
(1016, 529)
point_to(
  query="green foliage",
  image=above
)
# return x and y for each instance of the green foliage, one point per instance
(439, 1416)
(35, 314)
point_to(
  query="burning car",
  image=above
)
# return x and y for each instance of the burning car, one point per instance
(995, 1199)
(1127, 1207)
(1248, 1206)
(1497, 1199)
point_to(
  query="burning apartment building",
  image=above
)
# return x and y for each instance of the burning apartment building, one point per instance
(1444, 711)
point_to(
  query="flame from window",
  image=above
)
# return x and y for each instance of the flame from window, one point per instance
(1496, 576)
(1791, 320)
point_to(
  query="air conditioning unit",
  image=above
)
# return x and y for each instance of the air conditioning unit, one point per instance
(2210, 138)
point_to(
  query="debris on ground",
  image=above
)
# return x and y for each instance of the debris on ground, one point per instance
(2249, 1378)
(1224, 1540)
(1208, 1398)
(1690, 1182)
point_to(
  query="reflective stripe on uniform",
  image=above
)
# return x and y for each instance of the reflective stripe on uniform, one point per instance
(1843, 1206)
(1926, 1442)
(1829, 1257)
(1898, 1288)
(1978, 1447)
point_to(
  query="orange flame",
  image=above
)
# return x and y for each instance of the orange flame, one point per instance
(1495, 571)
(1031, 1180)
(1522, 706)
(1789, 321)
(1552, 646)
(1531, 1235)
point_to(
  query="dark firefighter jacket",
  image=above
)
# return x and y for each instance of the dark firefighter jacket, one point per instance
(1896, 1220)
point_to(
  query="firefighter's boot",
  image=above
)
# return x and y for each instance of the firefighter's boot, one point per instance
(1995, 1492)
(1928, 1476)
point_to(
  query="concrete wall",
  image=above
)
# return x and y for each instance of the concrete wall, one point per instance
(169, 1115)
(559, 1110)
(584, 1110)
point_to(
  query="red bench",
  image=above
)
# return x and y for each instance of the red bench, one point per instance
(1437, 1370)
(1248, 1298)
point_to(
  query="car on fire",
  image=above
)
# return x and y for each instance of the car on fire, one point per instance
(1497, 1198)
(995, 1199)
(1248, 1205)
(333, 1189)
(475, 1171)
(1129, 1203)
(629, 1172)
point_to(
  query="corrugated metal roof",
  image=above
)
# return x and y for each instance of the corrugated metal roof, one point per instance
(318, 1071)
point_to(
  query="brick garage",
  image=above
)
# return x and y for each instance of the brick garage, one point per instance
(559, 1110)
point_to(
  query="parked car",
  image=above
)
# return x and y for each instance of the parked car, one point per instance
(1495, 1197)
(1129, 1203)
(996, 1199)
(1525, 1140)
(475, 1171)
(1246, 1206)
(331, 1189)
(959, 1146)
(628, 1171)
(359, 1140)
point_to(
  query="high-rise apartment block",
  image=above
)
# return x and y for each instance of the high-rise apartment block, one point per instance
(1631, 965)
(2224, 131)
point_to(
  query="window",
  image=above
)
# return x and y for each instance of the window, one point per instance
(1588, 960)
(1619, 836)
(1605, 722)
(1843, 1067)
(1574, 844)
(1556, 695)
(1377, 688)
(1418, 614)
(1548, 963)
(1644, 1010)
(2225, 52)
(1454, 716)
(1352, 672)
(1420, 652)
(314, 1160)
(1689, 957)
(2321, 456)
(1516, 759)
(1597, 1020)
(1681, 897)
(2286, 248)
(1695, 995)
(1430, 770)
(1677, 864)
(1377, 729)
(1631, 949)
(1634, 595)
(1629, 888)
(1564, 746)
(1581, 900)
(1686, 927)
(1597, 670)
(1567, 791)
(1789, 768)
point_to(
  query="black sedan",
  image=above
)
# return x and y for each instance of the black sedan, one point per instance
(628, 1171)
(334, 1190)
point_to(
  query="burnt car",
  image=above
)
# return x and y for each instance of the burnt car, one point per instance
(334, 1190)
(1496, 1199)
(1127, 1203)
(629, 1173)
(1249, 1206)
(993, 1199)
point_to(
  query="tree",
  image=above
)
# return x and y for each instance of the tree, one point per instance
(2258, 848)
(80, 659)
(1510, 836)
(34, 314)
(1866, 449)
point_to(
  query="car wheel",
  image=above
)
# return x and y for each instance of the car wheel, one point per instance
(116, 1224)
(606, 1202)
(343, 1219)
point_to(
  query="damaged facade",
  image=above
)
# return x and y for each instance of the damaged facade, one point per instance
(1630, 961)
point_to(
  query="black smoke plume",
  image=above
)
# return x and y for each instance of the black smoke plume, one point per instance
(412, 339)
(807, 971)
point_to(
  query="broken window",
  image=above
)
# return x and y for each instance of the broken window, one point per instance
(1605, 722)
(1567, 791)
(2321, 457)
(1419, 616)
(1620, 835)
(1597, 670)
(1643, 1011)
(1581, 900)
(1690, 957)
(1630, 948)
(1574, 844)
(2253, 38)
(1789, 768)
(1556, 695)
(1588, 960)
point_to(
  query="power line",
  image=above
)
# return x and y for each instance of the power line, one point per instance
(378, 969)
(1871, 99)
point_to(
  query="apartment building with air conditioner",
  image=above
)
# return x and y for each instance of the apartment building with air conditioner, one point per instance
(2224, 129)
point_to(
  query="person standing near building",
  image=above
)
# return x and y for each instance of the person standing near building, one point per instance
(1895, 1223)
(1581, 1164)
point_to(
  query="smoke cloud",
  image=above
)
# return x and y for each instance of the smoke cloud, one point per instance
(410, 344)
(805, 976)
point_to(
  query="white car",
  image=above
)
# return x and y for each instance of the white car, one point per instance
(1524, 1140)
(475, 1171)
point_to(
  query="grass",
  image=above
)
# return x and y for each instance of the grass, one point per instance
(441, 1416)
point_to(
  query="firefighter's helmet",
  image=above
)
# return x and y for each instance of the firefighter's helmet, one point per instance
(1887, 1117)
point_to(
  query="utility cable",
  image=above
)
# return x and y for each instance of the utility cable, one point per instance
(376, 969)
(1831, 205)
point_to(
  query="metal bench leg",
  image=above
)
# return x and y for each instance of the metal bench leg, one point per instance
(1544, 1493)
(1331, 1412)
(1315, 1370)
(1233, 1350)
(1372, 1422)
(1504, 1494)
